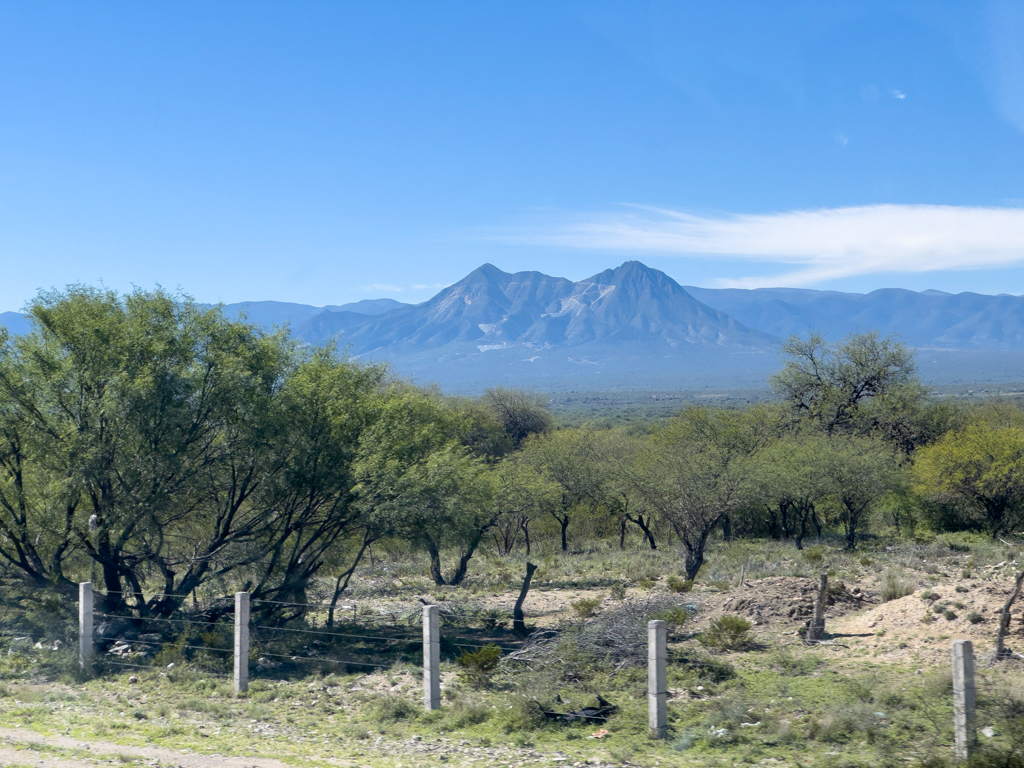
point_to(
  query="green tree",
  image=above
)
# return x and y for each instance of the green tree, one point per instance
(417, 481)
(696, 469)
(569, 458)
(170, 446)
(860, 471)
(792, 479)
(831, 383)
(980, 470)
(520, 413)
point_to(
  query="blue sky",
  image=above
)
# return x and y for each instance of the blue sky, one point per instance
(324, 153)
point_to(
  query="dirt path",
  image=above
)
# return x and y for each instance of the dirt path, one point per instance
(19, 747)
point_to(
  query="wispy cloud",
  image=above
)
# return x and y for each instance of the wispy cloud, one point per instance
(383, 287)
(431, 287)
(820, 245)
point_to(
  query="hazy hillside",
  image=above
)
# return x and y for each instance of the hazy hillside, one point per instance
(925, 319)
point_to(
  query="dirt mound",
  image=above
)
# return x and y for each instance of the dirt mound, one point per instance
(786, 600)
(921, 627)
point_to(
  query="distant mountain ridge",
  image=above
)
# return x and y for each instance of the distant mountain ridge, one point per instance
(926, 319)
(636, 327)
(491, 310)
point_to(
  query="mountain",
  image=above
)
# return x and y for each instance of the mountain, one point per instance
(15, 322)
(278, 314)
(634, 327)
(621, 326)
(490, 310)
(929, 319)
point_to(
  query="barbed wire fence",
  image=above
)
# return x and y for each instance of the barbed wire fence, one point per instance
(370, 641)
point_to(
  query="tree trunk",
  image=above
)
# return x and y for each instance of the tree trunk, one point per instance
(801, 532)
(518, 617)
(526, 535)
(460, 571)
(645, 526)
(564, 521)
(342, 583)
(435, 563)
(1002, 651)
(726, 528)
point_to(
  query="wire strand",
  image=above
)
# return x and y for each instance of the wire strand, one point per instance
(335, 634)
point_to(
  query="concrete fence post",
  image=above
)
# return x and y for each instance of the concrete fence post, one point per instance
(431, 658)
(657, 685)
(85, 644)
(963, 698)
(241, 642)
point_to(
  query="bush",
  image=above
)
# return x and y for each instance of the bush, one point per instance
(674, 617)
(678, 585)
(975, 618)
(478, 666)
(930, 596)
(894, 585)
(391, 709)
(727, 633)
(618, 591)
(464, 713)
(814, 555)
(586, 606)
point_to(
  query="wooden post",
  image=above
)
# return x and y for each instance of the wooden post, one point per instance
(86, 649)
(657, 685)
(963, 698)
(816, 629)
(431, 658)
(1001, 651)
(241, 642)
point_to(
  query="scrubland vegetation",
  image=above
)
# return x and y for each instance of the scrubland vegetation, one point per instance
(173, 457)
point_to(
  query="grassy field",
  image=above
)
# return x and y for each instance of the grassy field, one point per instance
(877, 692)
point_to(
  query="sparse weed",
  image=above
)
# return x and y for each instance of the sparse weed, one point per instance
(895, 585)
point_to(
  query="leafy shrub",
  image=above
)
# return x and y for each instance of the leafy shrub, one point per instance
(927, 618)
(949, 614)
(727, 633)
(814, 555)
(674, 617)
(521, 716)
(962, 588)
(493, 618)
(678, 585)
(586, 606)
(866, 561)
(618, 591)
(975, 618)
(926, 595)
(479, 665)
(466, 712)
(646, 583)
(894, 585)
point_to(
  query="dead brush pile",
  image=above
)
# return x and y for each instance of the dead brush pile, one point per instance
(613, 639)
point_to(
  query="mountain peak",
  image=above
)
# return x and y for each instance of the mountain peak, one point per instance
(487, 271)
